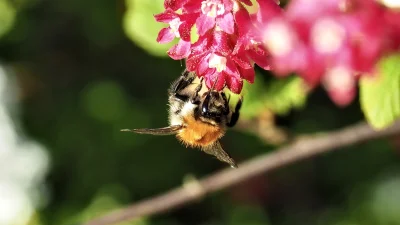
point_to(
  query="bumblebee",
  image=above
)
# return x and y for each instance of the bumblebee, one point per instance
(198, 116)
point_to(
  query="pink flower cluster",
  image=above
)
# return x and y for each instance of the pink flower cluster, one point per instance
(331, 42)
(228, 44)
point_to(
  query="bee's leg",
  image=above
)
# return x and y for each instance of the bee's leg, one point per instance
(195, 98)
(181, 83)
(235, 114)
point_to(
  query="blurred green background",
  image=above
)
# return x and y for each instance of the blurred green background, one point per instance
(86, 69)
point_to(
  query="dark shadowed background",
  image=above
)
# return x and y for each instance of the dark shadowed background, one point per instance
(86, 69)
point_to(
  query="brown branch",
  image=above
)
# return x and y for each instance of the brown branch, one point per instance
(298, 150)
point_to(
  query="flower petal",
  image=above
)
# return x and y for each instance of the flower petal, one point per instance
(203, 68)
(165, 35)
(226, 23)
(212, 78)
(166, 16)
(342, 98)
(193, 60)
(204, 23)
(340, 84)
(269, 9)
(235, 84)
(242, 62)
(243, 21)
(185, 27)
(184, 31)
(221, 43)
(240, 45)
(228, 5)
(180, 50)
(262, 60)
(203, 44)
(174, 4)
(231, 69)
(192, 6)
(247, 74)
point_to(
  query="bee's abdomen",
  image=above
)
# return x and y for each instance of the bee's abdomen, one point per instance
(199, 134)
(194, 139)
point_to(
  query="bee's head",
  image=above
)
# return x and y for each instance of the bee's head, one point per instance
(213, 106)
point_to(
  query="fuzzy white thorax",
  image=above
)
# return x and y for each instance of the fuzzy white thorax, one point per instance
(177, 119)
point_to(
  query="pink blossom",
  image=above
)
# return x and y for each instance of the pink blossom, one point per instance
(212, 59)
(328, 42)
(227, 47)
(314, 38)
(179, 27)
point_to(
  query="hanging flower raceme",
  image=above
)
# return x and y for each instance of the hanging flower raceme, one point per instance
(330, 42)
(227, 46)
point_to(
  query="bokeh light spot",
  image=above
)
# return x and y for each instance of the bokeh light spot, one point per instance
(104, 101)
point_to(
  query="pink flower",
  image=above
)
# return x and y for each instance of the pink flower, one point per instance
(340, 83)
(179, 26)
(215, 12)
(212, 59)
(174, 5)
(322, 41)
(315, 38)
(227, 47)
(249, 42)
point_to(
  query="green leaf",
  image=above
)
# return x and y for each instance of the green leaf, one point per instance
(141, 27)
(7, 17)
(279, 96)
(285, 94)
(380, 94)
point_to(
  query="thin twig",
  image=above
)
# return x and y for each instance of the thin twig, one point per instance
(298, 150)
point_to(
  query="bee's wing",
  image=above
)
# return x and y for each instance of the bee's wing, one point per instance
(217, 151)
(156, 131)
